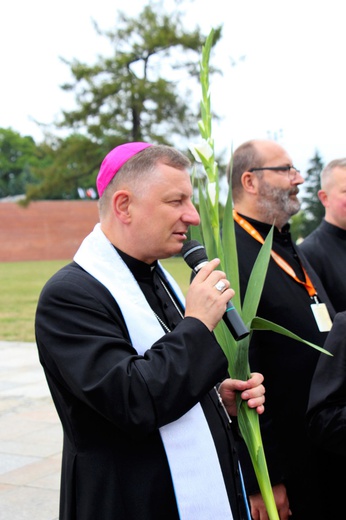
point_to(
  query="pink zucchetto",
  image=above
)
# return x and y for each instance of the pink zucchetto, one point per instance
(114, 161)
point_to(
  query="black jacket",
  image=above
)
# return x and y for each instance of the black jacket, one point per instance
(327, 402)
(112, 402)
(326, 416)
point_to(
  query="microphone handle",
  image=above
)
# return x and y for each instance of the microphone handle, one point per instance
(234, 322)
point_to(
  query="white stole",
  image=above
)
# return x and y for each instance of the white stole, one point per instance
(196, 474)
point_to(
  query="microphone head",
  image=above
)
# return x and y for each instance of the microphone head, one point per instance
(194, 253)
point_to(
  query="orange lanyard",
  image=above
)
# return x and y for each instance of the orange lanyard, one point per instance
(277, 258)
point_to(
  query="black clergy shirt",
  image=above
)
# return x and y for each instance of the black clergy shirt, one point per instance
(288, 366)
(156, 289)
(325, 248)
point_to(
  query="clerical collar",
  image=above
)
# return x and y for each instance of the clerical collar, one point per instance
(333, 229)
(139, 269)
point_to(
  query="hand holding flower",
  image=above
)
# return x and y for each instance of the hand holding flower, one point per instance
(251, 390)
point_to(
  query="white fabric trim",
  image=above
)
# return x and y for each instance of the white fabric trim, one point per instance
(196, 473)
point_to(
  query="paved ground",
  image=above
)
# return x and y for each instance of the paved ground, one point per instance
(30, 437)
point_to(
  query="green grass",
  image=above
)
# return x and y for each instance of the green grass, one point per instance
(21, 284)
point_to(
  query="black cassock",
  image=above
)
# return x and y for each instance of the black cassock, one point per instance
(288, 366)
(112, 402)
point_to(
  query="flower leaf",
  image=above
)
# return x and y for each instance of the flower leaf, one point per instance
(262, 324)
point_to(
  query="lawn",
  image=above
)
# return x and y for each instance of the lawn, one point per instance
(21, 283)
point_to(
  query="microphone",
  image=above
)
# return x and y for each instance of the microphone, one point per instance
(195, 256)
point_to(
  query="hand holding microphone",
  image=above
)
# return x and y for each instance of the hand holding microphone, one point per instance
(208, 295)
(195, 256)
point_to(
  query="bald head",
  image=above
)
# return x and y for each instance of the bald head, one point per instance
(251, 154)
(333, 192)
(327, 177)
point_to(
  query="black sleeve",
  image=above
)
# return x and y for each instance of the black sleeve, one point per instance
(326, 415)
(84, 345)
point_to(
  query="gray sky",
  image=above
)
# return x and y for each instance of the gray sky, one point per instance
(288, 78)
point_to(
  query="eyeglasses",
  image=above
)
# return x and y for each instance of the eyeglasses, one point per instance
(290, 170)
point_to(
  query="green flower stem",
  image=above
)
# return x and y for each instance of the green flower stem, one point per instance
(248, 422)
(237, 354)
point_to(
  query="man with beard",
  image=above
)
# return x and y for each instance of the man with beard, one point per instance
(264, 188)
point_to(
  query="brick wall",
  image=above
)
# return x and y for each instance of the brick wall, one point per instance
(45, 230)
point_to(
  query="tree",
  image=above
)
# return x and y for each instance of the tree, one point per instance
(126, 97)
(311, 205)
(18, 155)
(297, 223)
(65, 166)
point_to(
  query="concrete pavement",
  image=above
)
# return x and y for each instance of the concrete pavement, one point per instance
(30, 437)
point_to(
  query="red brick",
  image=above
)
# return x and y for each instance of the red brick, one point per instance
(45, 230)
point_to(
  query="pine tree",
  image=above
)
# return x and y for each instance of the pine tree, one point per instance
(311, 205)
(142, 92)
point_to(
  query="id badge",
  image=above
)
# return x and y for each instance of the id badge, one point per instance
(321, 314)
